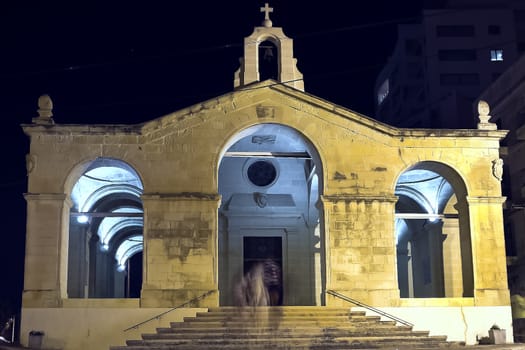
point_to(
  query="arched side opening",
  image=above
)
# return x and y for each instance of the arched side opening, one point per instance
(105, 232)
(270, 178)
(434, 254)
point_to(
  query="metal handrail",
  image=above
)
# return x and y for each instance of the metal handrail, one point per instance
(170, 310)
(371, 308)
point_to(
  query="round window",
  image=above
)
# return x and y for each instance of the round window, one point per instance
(261, 173)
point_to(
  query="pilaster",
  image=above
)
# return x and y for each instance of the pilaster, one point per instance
(361, 251)
(46, 249)
(488, 245)
(180, 249)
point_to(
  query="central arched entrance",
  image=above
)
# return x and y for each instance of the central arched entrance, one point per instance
(270, 178)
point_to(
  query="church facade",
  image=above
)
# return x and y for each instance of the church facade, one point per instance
(125, 222)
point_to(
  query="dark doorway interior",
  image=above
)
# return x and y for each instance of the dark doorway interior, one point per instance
(134, 276)
(266, 251)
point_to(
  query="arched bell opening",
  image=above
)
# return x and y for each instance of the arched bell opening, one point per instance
(268, 58)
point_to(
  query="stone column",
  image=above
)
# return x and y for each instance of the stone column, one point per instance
(488, 245)
(452, 265)
(93, 248)
(466, 247)
(45, 277)
(361, 249)
(403, 275)
(77, 267)
(410, 269)
(421, 260)
(180, 249)
(435, 240)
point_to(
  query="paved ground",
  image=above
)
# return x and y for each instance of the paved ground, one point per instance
(468, 347)
(520, 346)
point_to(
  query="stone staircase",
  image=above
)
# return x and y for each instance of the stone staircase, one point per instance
(287, 327)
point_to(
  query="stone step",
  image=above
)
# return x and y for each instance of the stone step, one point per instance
(370, 342)
(247, 315)
(296, 343)
(217, 318)
(280, 346)
(286, 320)
(283, 333)
(273, 317)
(296, 328)
(283, 313)
(285, 310)
(276, 315)
(252, 323)
(275, 328)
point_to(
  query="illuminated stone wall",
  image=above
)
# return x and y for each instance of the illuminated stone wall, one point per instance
(177, 158)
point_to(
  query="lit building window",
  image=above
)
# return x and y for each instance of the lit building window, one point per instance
(496, 55)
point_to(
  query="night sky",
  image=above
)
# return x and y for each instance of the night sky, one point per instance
(129, 62)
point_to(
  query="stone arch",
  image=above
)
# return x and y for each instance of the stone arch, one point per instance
(105, 219)
(434, 253)
(268, 37)
(81, 167)
(278, 214)
(250, 128)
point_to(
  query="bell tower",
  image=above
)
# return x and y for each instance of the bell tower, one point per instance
(286, 69)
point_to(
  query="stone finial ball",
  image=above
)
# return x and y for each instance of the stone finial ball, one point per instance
(483, 108)
(44, 102)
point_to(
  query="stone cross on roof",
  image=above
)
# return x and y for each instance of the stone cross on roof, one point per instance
(267, 9)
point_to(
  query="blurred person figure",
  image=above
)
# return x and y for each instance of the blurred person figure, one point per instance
(273, 281)
(251, 289)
